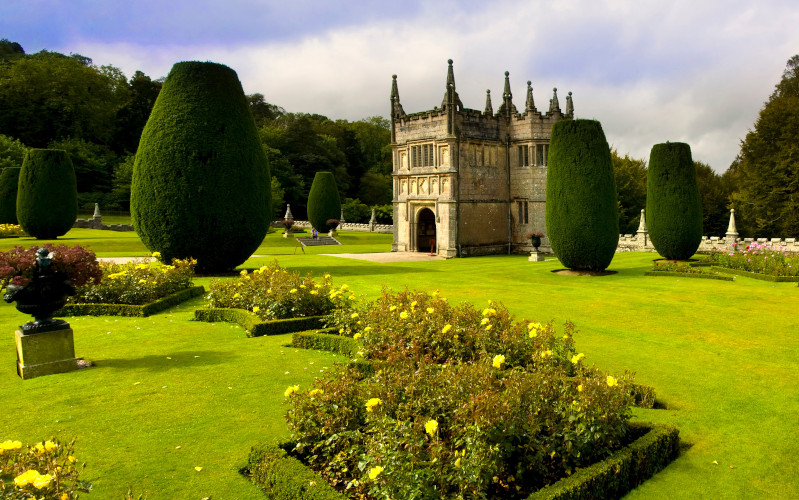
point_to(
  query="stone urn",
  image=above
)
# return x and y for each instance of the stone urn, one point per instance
(536, 242)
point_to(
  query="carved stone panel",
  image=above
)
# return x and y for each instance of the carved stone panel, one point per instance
(422, 186)
(444, 156)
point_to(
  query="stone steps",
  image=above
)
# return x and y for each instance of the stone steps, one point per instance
(320, 241)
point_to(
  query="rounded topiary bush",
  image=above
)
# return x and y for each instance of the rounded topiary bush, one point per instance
(9, 180)
(47, 194)
(323, 201)
(582, 209)
(201, 183)
(673, 202)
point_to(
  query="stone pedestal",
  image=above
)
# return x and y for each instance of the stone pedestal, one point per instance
(45, 353)
(536, 257)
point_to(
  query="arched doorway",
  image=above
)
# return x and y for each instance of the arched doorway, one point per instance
(426, 231)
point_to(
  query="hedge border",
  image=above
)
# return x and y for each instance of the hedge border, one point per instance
(129, 309)
(253, 324)
(757, 276)
(689, 275)
(326, 342)
(283, 477)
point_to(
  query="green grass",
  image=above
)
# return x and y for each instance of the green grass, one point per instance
(721, 355)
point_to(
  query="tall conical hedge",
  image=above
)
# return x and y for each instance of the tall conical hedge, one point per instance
(201, 183)
(323, 201)
(582, 209)
(673, 202)
(9, 180)
(47, 194)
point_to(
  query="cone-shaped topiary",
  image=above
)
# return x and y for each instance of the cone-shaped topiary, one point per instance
(9, 180)
(323, 201)
(201, 184)
(582, 215)
(47, 194)
(673, 202)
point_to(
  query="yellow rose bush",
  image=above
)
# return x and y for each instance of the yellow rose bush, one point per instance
(47, 469)
(137, 283)
(450, 406)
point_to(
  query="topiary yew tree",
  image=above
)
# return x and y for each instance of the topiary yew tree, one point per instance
(201, 183)
(323, 201)
(582, 215)
(9, 180)
(47, 194)
(673, 202)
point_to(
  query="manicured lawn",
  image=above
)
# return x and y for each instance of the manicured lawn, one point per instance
(722, 356)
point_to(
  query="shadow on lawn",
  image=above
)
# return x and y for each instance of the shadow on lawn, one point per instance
(167, 361)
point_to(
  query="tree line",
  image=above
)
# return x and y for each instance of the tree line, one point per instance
(96, 114)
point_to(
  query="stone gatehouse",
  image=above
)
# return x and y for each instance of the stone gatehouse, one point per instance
(470, 182)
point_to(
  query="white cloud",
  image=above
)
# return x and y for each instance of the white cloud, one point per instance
(696, 72)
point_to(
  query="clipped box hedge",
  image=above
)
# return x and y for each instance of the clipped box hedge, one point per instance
(281, 476)
(325, 342)
(757, 276)
(129, 309)
(254, 325)
(689, 275)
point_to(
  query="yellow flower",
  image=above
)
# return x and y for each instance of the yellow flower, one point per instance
(533, 334)
(64, 496)
(374, 472)
(430, 310)
(404, 314)
(326, 275)
(344, 286)
(392, 308)
(577, 357)
(26, 478)
(142, 281)
(236, 295)
(367, 329)
(413, 304)
(458, 462)
(446, 328)
(142, 266)
(488, 327)
(534, 326)
(291, 390)
(489, 312)
(357, 336)
(354, 315)
(10, 445)
(499, 360)
(314, 292)
(50, 446)
(243, 272)
(156, 255)
(546, 353)
(485, 321)
(255, 309)
(315, 392)
(372, 403)
(431, 427)
(611, 381)
(293, 290)
(72, 459)
(42, 481)
(580, 388)
(303, 286)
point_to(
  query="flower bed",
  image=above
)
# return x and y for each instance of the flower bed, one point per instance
(273, 293)
(136, 283)
(756, 260)
(11, 231)
(133, 310)
(684, 270)
(457, 401)
(42, 470)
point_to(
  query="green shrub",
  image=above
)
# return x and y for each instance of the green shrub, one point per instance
(201, 183)
(424, 418)
(285, 478)
(323, 202)
(9, 180)
(272, 292)
(136, 283)
(582, 216)
(326, 342)
(129, 310)
(673, 202)
(47, 197)
(763, 259)
(254, 326)
(43, 470)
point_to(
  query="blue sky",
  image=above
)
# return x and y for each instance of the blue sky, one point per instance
(691, 71)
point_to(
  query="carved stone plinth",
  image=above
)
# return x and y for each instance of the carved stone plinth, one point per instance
(45, 353)
(536, 257)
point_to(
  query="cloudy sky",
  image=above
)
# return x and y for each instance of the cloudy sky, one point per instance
(651, 71)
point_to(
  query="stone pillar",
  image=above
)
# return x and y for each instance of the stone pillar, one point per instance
(732, 231)
(372, 221)
(45, 353)
(642, 233)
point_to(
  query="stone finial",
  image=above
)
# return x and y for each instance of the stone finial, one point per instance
(569, 105)
(96, 210)
(529, 105)
(450, 95)
(288, 215)
(450, 74)
(642, 223)
(489, 108)
(507, 106)
(341, 219)
(554, 105)
(506, 94)
(732, 231)
(396, 107)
